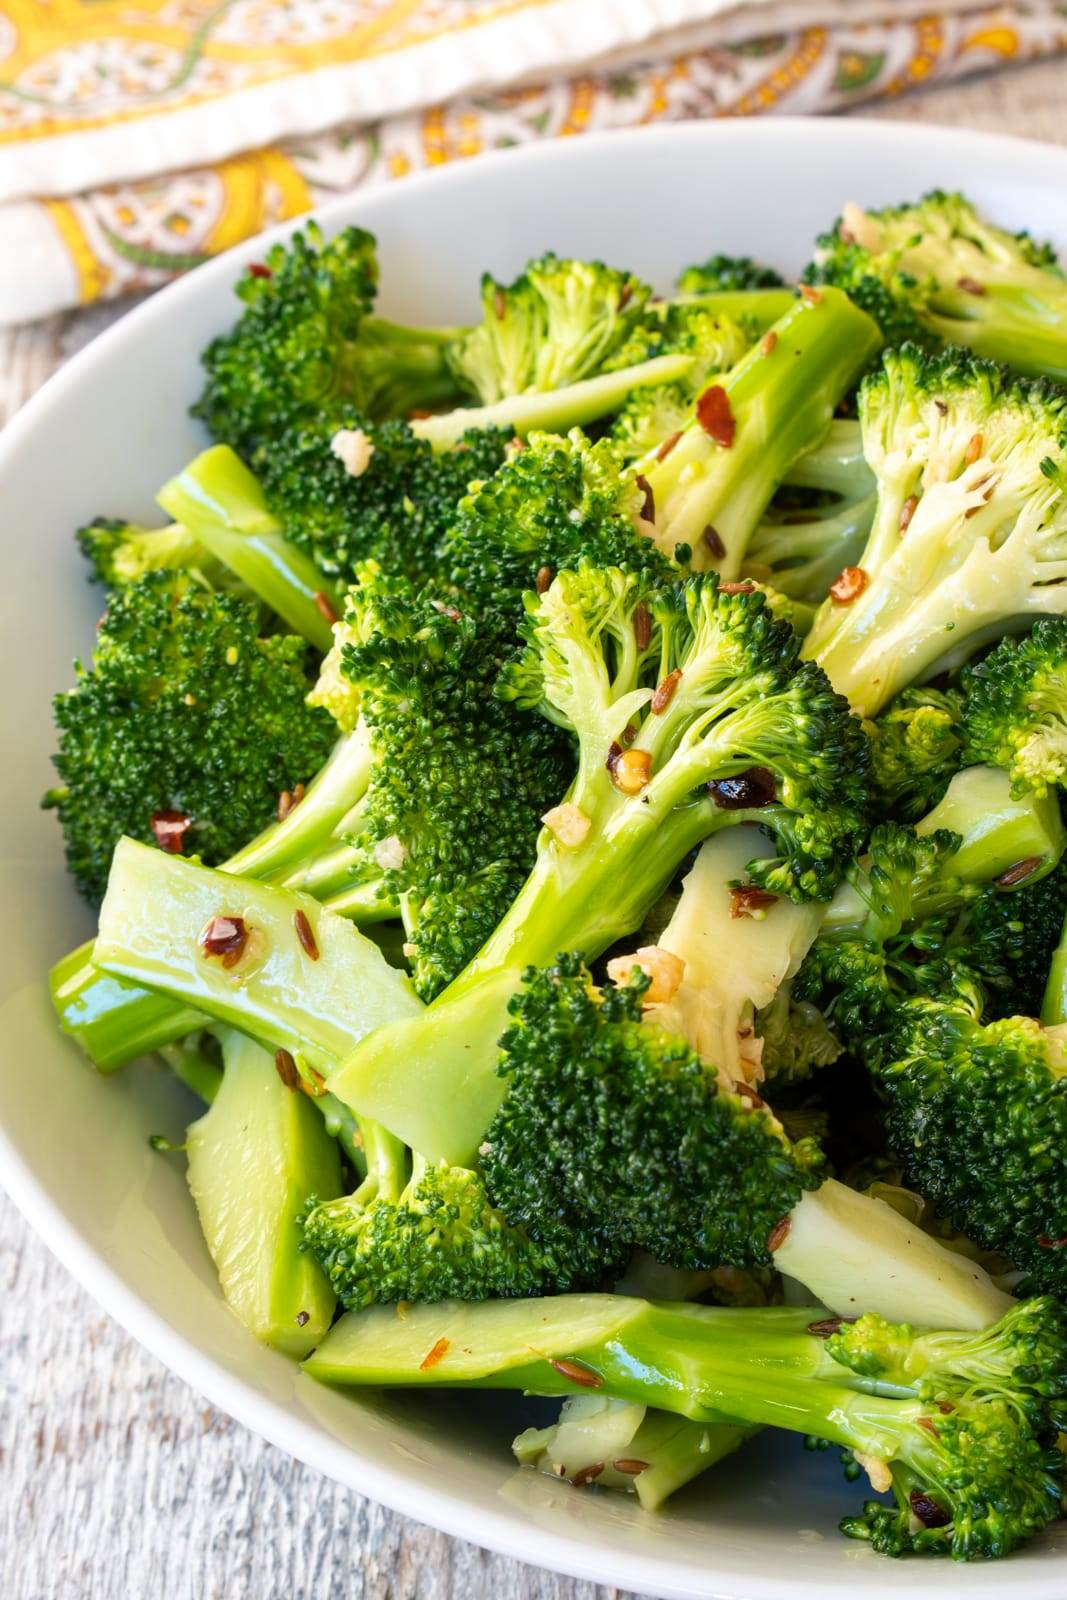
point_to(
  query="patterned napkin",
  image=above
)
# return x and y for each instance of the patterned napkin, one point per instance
(140, 137)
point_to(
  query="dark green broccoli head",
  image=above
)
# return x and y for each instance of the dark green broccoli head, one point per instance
(557, 323)
(1009, 937)
(978, 1114)
(184, 715)
(555, 503)
(720, 272)
(1015, 708)
(461, 778)
(120, 552)
(441, 1239)
(609, 1121)
(396, 511)
(916, 748)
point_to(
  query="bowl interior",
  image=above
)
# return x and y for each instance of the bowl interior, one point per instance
(100, 439)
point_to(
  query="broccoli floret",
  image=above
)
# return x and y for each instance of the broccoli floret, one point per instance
(1014, 938)
(305, 347)
(916, 748)
(728, 272)
(605, 1119)
(970, 531)
(960, 1426)
(938, 273)
(1015, 708)
(396, 511)
(121, 552)
(653, 413)
(797, 1040)
(433, 1235)
(978, 1115)
(184, 729)
(675, 695)
(711, 485)
(557, 323)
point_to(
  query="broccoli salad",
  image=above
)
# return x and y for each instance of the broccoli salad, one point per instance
(578, 799)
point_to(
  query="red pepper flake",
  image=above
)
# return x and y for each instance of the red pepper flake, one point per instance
(1051, 1244)
(419, 414)
(432, 1357)
(970, 286)
(907, 511)
(974, 450)
(170, 828)
(587, 1474)
(256, 269)
(778, 1234)
(942, 408)
(305, 935)
(577, 1372)
(632, 1466)
(500, 305)
(848, 585)
(715, 417)
(614, 752)
(1016, 874)
(642, 625)
(668, 445)
(744, 791)
(543, 579)
(314, 1084)
(945, 1408)
(715, 545)
(225, 936)
(810, 293)
(665, 692)
(929, 1513)
(768, 342)
(737, 588)
(828, 1326)
(928, 1425)
(648, 509)
(285, 1067)
(303, 1318)
(325, 607)
(748, 901)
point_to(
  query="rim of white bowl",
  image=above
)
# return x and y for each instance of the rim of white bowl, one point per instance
(505, 1532)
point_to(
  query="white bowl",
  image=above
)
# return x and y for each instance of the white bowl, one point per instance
(99, 439)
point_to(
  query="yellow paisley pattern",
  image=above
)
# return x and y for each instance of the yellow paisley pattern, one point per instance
(139, 235)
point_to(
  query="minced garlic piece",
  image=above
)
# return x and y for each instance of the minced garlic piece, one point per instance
(864, 229)
(390, 854)
(664, 969)
(568, 823)
(353, 450)
(877, 1471)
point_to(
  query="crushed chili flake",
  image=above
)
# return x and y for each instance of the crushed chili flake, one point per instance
(768, 342)
(543, 579)
(945, 1408)
(577, 1372)
(929, 1513)
(225, 936)
(631, 1465)
(745, 790)
(256, 269)
(305, 934)
(313, 1083)
(285, 1067)
(748, 901)
(285, 804)
(170, 828)
(648, 507)
(907, 511)
(828, 1325)
(325, 607)
(848, 585)
(778, 1234)
(970, 286)
(303, 1318)
(715, 416)
(711, 538)
(665, 692)
(432, 1357)
(810, 293)
(928, 1424)
(974, 450)
(1016, 874)
(642, 625)
(1051, 1244)
(668, 445)
(587, 1474)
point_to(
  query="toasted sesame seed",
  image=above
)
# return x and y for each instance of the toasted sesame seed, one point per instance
(434, 1355)
(285, 1067)
(665, 692)
(907, 511)
(1018, 872)
(974, 450)
(303, 1318)
(737, 588)
(778, 1234)
(970, 286)
(711, 538)
(810, 293)
(768, 342)
(325, 607)
(577, 1372)
(668, 445)
(642, 625)
(305, 934)
(587, 1474)
(225, 936)
(748, 901)
(543, 579)
(631, 1465)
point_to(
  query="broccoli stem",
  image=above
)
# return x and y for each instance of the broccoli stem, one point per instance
(998, 830)
(836, 464)
(222, 505)
(1022, 325)
(781, 399)
(324, 808)
(152, 923)
(757, 307)
(192, 1068)
(1054, 1004)
(554, 410)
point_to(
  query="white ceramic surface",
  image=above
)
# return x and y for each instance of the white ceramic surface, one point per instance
(99, 438)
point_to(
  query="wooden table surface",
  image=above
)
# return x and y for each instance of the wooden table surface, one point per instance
(118, 1481)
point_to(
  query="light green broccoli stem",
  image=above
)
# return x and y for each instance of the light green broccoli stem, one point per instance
(836, 464)
(222, 505)
(554, 410)
(998, 831)
(1054, 1003)
(193, 1069)
(780, 399)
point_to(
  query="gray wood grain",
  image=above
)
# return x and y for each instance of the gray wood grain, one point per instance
(115, 1479)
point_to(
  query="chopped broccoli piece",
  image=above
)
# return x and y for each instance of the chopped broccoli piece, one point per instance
(728, 272)
(121, 552)
(938, 273)
(916, 748)
(1015, 708)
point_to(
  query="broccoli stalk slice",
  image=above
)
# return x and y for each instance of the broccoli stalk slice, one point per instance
(975, 1479)
(554, 410)
(1054, 1003)
(222, 505)
(779, 401)
(836, 464)
(192, 1068)
(997, 830)
(152, 924)
(114, 1021)
(121, 552)
(802, 552)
